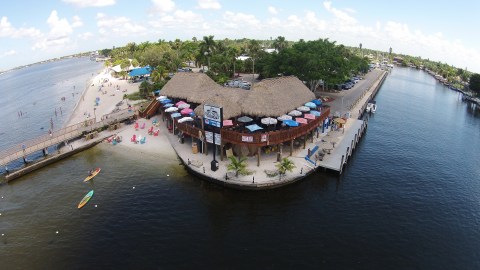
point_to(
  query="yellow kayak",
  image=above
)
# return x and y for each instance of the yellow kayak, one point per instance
(97, 170)
(85, 199)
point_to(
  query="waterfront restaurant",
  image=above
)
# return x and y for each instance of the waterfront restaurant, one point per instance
(255, 122)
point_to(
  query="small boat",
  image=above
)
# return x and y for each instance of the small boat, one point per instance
(371, 106)
(85, 199)
(97, 170)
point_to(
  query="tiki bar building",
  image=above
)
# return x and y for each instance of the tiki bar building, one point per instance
(274, 117)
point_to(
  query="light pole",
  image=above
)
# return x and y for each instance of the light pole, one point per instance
(94, 114)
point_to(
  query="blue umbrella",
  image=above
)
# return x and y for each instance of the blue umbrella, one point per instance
(316, 113)
(174, 115)
(191, 114)
(165, 101)
(311, 105)
(168, 105)
(317, 102)
(291, 123)
(254, 127)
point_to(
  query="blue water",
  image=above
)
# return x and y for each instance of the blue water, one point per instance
(408, 199)
(36, 91)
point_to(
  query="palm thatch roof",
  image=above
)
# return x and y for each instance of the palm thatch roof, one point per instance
(193, 87)
(275, 97)
(230, 106)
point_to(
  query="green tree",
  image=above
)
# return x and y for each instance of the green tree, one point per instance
(475, 83)
(207, 48)
(238, 165)
(144, 88)
(280, 43)
(284, 166)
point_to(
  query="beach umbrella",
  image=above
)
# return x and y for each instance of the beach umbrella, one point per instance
(244, 119)
(291, 123)
(311, 105)
(161, 98)
(168, 105)
(309, 116)
(180, 102)
(301, 120)
(165, 101)
(254, 127)
(174, 115)
(339, 120)
(295, 113)
(227, 123)
(171, 109)
(186, 111)
(183, 106)
(185, 119)
(268, 121)
(317, 102)
(192, 114)
(284, 117)
(316, 113)
(303, 108)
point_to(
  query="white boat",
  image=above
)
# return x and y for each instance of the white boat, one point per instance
(371, 106)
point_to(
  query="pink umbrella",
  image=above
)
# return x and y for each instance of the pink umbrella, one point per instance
(180, 102)
(186, 111)
(301, 120)
(227, 123)
(309, 116)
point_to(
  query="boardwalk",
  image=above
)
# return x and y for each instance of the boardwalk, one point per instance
(60, 136)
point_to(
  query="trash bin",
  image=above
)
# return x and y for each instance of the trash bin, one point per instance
(214, 165)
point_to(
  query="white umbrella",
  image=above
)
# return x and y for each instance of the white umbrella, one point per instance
(161, 98)
(295, 113)
(268, 121)
(185, 119)
(303, 108)
(284, 117)
(184, 106)
(171, 109)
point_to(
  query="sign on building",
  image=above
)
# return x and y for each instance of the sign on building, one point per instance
(209, 137)
(213, 115)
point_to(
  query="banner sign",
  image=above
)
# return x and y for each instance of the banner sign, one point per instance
(247, 138)
(209, 137)
(213, 115)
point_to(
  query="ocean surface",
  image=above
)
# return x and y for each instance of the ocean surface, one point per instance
(409, 198)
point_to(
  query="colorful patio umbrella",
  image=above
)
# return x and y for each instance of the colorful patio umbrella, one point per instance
(284, 117)
(165, 101)
(244, 119)
(309, 116)
(183, 106)
(186, 111)
(161, 98)
(185, 119)
(254, 127)
(227, 123)
(291, 123)
(171, 109)
(268, 121)
(311, 105)
(317, 102)
(168, 105)
(180, 102)
(303, 108)
(301, 120)
(295, 113)
(316, 113)
(175, 115)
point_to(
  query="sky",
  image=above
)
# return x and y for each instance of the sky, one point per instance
(32, 30)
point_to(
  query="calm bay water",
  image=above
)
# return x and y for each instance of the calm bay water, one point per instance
(408, 199)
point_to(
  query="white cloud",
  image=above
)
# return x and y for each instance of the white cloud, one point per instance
(8, 53)
(186, 19)
(272, 10)
(209, 4)
(90, 3)
(118, 26)
(85, 36)
(76, 22)
(342, 16)
(163, 6)
(7, 30)
(238, 20)
(59, 34)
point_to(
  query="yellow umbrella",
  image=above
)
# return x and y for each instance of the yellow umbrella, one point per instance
(340, 120)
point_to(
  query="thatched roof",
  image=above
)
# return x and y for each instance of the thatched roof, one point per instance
(230, 107)
(194, 87)
(275, 97)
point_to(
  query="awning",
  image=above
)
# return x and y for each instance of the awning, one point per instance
(254, 127)
(139, 72)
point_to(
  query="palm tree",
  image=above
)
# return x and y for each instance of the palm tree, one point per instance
(207, 47)
(279, 43)
(284, 166)
(238, 165)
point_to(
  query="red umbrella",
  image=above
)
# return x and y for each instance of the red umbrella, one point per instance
(301, 120)
(186, 111)
(309, 116)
